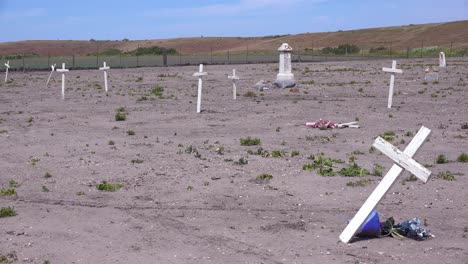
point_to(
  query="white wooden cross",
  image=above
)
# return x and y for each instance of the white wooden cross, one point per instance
(403, 161)
(50, 75)
(105, 68)
(63, 71)
(392, 70)
(233, 77)
(199, 74)
(442, 62)
(7, 65)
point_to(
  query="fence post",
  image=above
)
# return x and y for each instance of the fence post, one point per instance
(73, 59)
(120, 59)
(229, 57)
(407, 52)
(23, 62)
(422, 46)
(211, 56)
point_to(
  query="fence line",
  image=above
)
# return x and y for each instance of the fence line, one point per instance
(120, 61)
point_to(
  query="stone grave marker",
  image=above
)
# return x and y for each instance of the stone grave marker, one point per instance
(442, 62)
(7, 65)
(105, 68)
(285, 77)
(392, 70)
(199, 74)
(50, 75)
(233, 77)
(63, 71)
(403, 160)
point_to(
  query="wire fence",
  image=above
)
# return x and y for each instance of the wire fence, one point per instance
(32, 63)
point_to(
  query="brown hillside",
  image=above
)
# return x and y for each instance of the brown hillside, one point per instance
(438, 34)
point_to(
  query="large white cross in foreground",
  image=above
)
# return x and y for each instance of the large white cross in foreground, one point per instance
(233, 77)
(392, 70)
(403, 161)
(105, 68)
(7, 65)
(50, 75)
(199, 74)
(63, 71)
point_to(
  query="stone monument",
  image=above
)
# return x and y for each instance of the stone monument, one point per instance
(285, 78)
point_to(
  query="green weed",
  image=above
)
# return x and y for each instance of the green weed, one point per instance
(104, 186)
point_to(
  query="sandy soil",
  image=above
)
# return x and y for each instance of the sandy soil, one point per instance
(200, 207)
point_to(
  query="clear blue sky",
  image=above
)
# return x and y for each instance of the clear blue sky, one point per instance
(146, 19)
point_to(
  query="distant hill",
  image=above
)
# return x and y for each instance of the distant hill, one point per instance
(399, 37)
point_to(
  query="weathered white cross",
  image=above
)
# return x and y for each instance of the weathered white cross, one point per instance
(442, 62)
(392, 70)
(105, 68)
(199, 74)
(63, 71)
(403, 161)
(50, 75)
(7, 65)
(233, 77)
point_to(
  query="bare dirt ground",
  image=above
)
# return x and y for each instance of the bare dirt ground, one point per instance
(181, 205)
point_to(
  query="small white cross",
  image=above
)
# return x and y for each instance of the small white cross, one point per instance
(233, 77)
(51, 72)
(442, 62)
(105, 68)
(7, 65)
(392, 70)
(199, 74)
(63, 71)
(403, 161)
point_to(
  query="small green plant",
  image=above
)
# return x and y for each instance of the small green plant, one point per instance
(277, 153)
(8, 192)
(388, 136)
(13, 184)
(250, 141)
(377, 170)
(353, 170)
(220, 150)
(295, 153)
(463, 158)
(45, 189)
(121, 114)
(7, 212)
(80, 193)
(47, 175)
(189, 188)
(139, 79)
(409, 134)
(30, 119)
(34, 161)
(130, 132)
(157, 91)
(137, 161)
(324, 166)
(241, 161)
(263, 178)
(260, 152)
(250, 94)
(362, 182)
(110, 142)
(104, 186)
(448, 176)
(441, 159)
